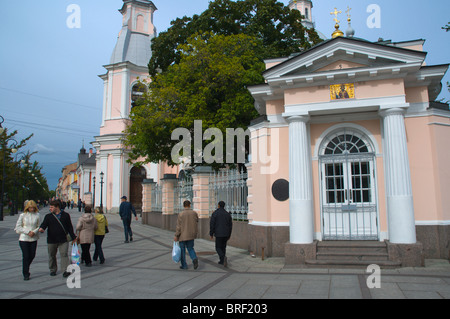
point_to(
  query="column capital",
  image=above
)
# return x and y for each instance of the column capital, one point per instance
(298, 118)
(392, 111)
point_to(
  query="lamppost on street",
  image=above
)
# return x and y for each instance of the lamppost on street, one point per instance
(101, 190)
(93, 197)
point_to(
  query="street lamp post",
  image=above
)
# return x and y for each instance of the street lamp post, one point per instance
(93, 197)
(101, 190)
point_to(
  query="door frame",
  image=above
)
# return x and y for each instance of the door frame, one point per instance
(346, 208)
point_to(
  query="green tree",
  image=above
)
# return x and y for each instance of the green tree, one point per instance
(446, 27)
(278, 27)
(209, 84)
(18, 182)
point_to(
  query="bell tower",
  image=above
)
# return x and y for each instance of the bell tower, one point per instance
(305, 8)
(128, 64)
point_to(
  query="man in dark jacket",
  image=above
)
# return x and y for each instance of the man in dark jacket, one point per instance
(221, 225)
(125, 211)
(59, 233)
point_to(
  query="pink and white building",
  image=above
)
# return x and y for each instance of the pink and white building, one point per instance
(350, 144)
(127, 66)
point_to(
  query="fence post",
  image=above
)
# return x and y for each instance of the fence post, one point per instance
(168, 186)
(147, 187)
(200, 187)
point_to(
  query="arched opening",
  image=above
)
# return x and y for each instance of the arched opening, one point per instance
(348, 186)
(137, 176)
(137, 93)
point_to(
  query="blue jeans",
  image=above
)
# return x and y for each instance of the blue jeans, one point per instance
(127, 228)
(189, 244)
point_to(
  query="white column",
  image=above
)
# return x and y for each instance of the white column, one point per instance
(400, 208)
(301, 215)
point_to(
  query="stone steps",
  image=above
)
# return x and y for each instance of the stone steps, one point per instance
(352, 254)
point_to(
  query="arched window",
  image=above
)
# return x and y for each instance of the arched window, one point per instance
(137, 93)
(346, 144)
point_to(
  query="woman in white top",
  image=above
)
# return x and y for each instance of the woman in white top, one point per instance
(27, 227)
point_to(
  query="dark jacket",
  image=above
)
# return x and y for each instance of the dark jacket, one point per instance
(125, 210)
(55, 233)
(221, 223)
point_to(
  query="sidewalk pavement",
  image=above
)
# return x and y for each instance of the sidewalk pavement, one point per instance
(143, 269)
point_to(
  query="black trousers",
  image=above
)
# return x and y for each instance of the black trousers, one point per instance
(28, 254)
(85, 253)
(98, 240)
(221, 247)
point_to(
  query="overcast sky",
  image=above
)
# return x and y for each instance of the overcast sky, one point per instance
(49, 81)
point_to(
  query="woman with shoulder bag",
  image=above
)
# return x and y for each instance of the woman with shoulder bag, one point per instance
(86, 226)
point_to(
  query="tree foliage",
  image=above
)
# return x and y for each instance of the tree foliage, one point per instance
(209, 84)
(278, 27)
(19, 184)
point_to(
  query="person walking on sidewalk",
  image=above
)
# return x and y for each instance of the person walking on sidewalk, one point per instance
(125, 211)
(86, 227)
(186, 232)
(99, 234)
(221, 226)
(27, 227)
(59, 233)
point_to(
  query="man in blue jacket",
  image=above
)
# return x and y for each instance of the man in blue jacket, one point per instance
(220, 226)
(125, 211)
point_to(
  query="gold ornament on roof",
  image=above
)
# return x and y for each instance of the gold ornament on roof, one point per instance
(337, 32)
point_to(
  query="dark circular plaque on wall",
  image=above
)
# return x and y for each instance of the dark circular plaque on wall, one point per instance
(280, 190)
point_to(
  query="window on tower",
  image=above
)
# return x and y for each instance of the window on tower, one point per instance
(306, 13)
(137, 93)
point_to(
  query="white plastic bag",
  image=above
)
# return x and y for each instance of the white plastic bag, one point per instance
(176, 252)
(75, 255)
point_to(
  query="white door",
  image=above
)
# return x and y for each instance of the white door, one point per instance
(349, 210)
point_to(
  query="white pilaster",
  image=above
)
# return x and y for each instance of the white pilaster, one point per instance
(117, 175)
(400, 208)
(301, 221)
(124, 109)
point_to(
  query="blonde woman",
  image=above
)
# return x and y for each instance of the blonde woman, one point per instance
(27, 227)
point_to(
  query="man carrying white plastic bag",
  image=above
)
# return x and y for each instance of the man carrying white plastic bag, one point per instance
(176, 252)
(186, 232)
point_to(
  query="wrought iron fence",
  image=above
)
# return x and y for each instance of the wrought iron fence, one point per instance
(229, 186)
(182, 191)
(157, 198)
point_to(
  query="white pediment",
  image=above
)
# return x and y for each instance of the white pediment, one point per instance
(342, 55)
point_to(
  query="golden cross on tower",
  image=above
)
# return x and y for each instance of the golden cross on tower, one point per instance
(336, 12)
(337, 32)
